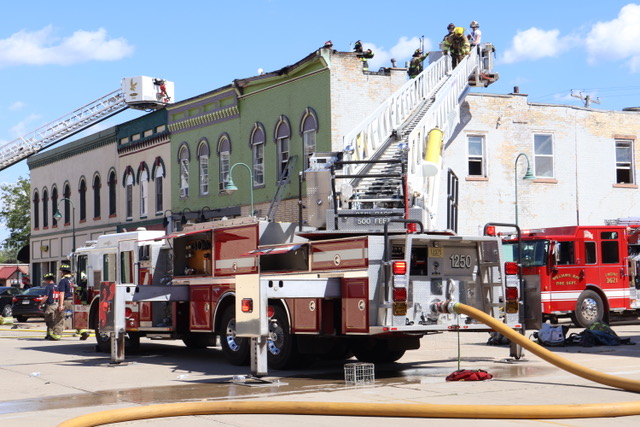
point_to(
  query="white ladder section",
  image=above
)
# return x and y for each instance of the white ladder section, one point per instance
(59, 129)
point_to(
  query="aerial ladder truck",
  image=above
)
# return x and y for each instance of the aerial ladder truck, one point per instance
(140, 92)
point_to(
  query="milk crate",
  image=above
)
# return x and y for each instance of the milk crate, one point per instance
(359, 374)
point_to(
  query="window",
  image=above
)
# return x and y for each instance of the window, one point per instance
(258, 139)
(590, 252)
(83, 199)
(54, 206)
(144, 191)
(624, 162)
(475, 145)
(566, 253)
(224, 159)
(45, 208)
(309, 129)
(67, 205)
(36, 211)
(203, 161)
(543, 151)
(283, 138)
(183, 159)
(452, 201)
(129, 196)
(112, 193)
(96, 197)
(158, 187)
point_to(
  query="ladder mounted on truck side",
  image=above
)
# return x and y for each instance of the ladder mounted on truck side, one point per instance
(141, 92)
(391, 162)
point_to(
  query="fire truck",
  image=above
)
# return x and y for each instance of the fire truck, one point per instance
(367, 273)
(581, 272)
(324, 296)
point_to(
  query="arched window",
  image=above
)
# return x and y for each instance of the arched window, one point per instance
(224, 159)
(67, 206)
(45, 208)
(203, 162)
(282, 137)
(183, 160)
(258, 138)
(143, 181)
(128, 189)
(83, 199)
(54, 205)
(112, 182)
(158, 174)
(36, 210)
(96, 197)
(308, 130)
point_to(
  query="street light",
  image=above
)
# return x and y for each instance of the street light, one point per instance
(528, 176)
(230, 186)
(58, 216)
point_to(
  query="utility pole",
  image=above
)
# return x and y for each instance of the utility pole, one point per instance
(586, 98)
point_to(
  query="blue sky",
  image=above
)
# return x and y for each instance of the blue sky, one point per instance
(56, 57)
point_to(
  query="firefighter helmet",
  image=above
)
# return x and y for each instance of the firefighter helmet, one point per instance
(418, 52)
(474, 24)
(65, 267)
(458, 31)
(451, 26)
(49, 276)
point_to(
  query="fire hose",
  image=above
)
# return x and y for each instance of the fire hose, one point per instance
(594, 410)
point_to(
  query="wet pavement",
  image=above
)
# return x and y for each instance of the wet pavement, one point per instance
(47, 382)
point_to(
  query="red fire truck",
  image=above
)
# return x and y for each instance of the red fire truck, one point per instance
(373, 295)
(584, 272)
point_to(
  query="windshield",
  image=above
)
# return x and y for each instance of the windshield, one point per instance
(34, 291)
(534, 252)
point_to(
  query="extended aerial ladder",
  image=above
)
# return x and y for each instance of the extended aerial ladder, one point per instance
(390, 164)
(141, 92)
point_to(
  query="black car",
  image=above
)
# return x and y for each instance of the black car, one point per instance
(6, 299)
(29, 304)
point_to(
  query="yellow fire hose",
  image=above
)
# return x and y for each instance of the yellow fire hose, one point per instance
(594, 410)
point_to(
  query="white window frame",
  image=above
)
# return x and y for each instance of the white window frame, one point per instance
(129, 197)
(158, 181)
(541, 158)
(144, 193)
(625, 164)
(476, 158)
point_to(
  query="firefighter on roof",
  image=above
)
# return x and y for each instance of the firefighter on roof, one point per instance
(415, 66)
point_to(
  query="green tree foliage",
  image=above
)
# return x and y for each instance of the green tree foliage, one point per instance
(15, 215)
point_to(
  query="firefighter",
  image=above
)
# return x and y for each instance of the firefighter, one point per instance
(415, 66)
(358, 47)
(456, 45)
(450, 29)
(53, 315)
(475, 37)
(364, 55)
(66, 288)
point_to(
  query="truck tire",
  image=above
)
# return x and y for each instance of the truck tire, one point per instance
(236, 350)
(281, 346)
(589, 309)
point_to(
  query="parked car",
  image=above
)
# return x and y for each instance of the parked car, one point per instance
(29, 304)
(6, 299)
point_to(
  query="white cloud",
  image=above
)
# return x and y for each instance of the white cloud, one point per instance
(401, 52)
(43, 47)
(17, 106)
(618, 39)
(24, 126)
(534, 43)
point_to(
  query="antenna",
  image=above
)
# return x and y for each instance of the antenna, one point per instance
(586, 98)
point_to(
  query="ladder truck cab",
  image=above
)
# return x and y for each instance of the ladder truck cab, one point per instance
(581, 272)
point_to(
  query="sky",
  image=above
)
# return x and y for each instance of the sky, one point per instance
(56, 57)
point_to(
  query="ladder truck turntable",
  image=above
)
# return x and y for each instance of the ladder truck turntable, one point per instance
(362, 277)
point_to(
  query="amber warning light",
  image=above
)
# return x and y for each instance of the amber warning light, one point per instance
(247, 305)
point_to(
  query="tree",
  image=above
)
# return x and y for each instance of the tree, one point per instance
(15, 214)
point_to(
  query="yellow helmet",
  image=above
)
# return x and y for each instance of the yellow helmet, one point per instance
(458, 31)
